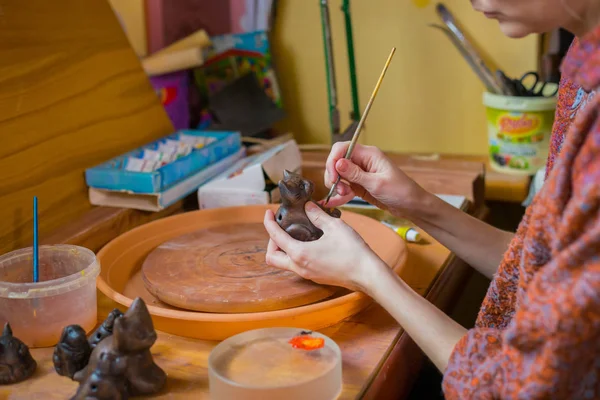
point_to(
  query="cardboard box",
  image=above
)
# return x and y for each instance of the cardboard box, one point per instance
(113, 175)
(161, 200)
(247, 181)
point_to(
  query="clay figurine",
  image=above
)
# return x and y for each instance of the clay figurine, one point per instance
(106, 382)
(120, 363)
(72, 352)
(295, 192)
(16, 362)
(106, 329)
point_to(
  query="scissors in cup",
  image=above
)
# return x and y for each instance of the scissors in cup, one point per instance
(531, 85)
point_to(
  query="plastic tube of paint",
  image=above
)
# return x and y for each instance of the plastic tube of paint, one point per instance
(138, 165)
(173, 146)
(197, 142)
(163, 158)
(406, 232)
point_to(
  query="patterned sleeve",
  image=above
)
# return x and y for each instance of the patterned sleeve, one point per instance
(551, 348)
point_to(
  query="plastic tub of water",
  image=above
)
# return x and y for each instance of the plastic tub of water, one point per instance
(261, 364)
(65, 293)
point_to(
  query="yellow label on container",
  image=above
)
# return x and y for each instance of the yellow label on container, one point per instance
(519, 141)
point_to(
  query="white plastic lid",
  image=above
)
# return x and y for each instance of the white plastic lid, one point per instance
(413, 236)
(516, 103)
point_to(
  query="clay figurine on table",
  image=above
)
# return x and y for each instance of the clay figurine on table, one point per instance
(120, 363)
(73, 350)
(291, 216)
(106, 329)
(16, 362)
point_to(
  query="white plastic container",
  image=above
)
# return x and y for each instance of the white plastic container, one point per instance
(261, 364)
(519, 130)
(64, 295)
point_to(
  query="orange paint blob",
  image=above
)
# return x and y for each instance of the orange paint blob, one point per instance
(307, 342)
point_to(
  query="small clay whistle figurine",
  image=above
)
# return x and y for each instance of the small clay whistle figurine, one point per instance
(106, 382)
(122, 361)
(16, 362)
(106, 329)
(72, 352)
(291, 216)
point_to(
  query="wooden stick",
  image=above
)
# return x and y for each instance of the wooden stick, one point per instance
(362, 121)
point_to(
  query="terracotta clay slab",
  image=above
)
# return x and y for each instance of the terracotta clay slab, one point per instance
(223, 269)
(121, 278)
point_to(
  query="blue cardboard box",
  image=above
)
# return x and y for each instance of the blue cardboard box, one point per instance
(112, 175)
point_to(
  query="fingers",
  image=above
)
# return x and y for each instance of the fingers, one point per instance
(352, 173)
(337, 201)
(277, 258)
(284, 241)
(361, 155)
(317, 216)
(338, 150)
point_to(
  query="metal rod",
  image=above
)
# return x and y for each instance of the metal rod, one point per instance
(351, 61)
(362, 121)
(334, 114)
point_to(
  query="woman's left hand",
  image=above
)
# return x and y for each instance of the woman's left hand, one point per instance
(340, 257)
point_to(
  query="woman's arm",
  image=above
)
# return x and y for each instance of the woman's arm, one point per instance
(479, 244)
(433, 331)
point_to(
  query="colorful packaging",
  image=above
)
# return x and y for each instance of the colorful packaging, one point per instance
(234, 55)
(172, 90)
(519, 131)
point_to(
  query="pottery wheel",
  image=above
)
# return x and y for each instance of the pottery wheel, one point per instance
(223, 269)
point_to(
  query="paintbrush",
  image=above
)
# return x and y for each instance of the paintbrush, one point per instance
(362, 121)
(36, 260)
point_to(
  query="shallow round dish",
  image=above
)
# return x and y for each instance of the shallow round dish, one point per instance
(239, 369)
(121, 280)
(65, 293)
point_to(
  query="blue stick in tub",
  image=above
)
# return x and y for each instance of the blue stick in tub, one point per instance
(36, 270)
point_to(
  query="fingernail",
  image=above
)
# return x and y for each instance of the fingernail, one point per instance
(310, 206)
(342, 165)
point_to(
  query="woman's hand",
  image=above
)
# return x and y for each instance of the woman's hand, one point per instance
(340, 257)
(372, 176)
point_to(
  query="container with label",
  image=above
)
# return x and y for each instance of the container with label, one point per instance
(519, 131)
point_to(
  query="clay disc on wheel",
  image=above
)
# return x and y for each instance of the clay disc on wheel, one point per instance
(223, 269)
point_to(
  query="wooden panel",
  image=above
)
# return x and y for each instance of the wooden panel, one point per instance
(72, 94)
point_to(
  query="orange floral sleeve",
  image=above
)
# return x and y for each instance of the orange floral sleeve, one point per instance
(550, 346)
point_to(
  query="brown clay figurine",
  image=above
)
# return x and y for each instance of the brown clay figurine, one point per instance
(72, 352)
(120, 363)
(106, 382)
(106, 329)
(16, 362)
(291, 216)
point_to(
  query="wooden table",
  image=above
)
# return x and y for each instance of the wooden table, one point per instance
(379, 360)
(367, 340)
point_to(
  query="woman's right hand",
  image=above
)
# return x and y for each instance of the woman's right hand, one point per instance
(373, 177)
